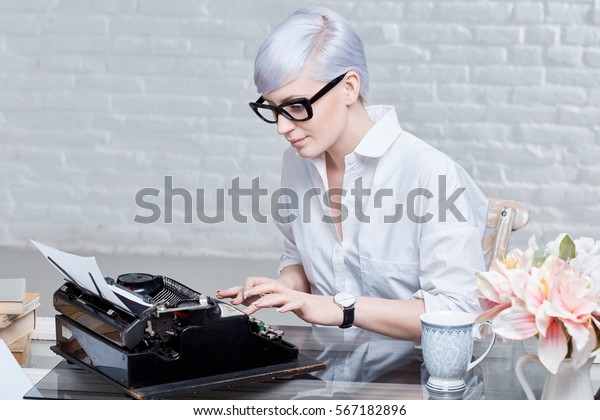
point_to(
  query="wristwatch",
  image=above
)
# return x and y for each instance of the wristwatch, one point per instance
(346, 301)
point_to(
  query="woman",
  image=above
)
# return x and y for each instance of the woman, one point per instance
(388, 227)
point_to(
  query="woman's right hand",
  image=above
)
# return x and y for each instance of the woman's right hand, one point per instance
(238, 293)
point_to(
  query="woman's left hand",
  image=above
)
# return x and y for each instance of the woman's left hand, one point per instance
(314, 309)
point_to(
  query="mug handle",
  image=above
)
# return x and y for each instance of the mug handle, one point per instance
(521, 375)
(485, 353)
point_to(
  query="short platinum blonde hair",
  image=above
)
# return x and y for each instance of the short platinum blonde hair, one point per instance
(314, 41)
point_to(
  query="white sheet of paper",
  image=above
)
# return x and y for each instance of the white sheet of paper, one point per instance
(13, 381)
(81, 270)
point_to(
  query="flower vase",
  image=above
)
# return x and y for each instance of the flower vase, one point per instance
(569, 382)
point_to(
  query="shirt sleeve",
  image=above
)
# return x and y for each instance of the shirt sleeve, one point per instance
(450, 246)
(290, 254)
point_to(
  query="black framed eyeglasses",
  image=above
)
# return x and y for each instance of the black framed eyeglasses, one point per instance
(299, 109)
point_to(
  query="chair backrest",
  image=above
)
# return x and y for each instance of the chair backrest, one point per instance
(504, 217)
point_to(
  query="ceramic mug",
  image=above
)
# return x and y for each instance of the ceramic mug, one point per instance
(447, 343)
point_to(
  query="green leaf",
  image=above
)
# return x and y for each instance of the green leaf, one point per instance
(538, 258)
(566, 249)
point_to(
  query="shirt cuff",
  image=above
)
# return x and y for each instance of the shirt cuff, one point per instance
(287, 261)
(446, 303)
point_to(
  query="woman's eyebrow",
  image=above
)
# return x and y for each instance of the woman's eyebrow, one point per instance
(286, 99)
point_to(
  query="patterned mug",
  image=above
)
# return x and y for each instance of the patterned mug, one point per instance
(447, 343)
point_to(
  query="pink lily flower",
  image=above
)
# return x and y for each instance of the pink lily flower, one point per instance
(539, 294)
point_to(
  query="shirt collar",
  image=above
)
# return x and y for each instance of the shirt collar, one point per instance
(378, 139)
(383, 133)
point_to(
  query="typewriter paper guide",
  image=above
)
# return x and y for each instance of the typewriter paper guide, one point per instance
(85, 273)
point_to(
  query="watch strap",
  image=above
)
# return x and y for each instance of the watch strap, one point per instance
(348, 317)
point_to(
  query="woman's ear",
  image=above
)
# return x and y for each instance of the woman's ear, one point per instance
(352, 87)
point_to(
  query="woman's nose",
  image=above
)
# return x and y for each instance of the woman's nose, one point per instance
(284, 125)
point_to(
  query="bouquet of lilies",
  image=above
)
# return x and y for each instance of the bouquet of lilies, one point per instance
(552, 294)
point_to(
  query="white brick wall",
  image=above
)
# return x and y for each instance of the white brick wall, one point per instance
(100, 98)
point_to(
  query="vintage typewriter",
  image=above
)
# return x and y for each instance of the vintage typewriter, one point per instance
(153, 337)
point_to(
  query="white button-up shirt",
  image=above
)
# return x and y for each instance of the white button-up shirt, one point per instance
(416, 234)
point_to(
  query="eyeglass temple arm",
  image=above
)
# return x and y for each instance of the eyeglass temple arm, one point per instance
(326, 88)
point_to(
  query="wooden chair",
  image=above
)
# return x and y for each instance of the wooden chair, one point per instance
(504, 217)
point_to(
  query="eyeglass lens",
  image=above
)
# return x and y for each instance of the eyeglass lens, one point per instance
(296, 111)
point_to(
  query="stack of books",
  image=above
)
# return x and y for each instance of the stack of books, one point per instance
(17, 316)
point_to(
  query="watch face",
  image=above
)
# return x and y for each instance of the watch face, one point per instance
(345, 299)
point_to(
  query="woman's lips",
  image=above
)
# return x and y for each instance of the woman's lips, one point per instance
(297, 142)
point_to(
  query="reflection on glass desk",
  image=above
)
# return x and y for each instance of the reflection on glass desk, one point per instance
(360, 365)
